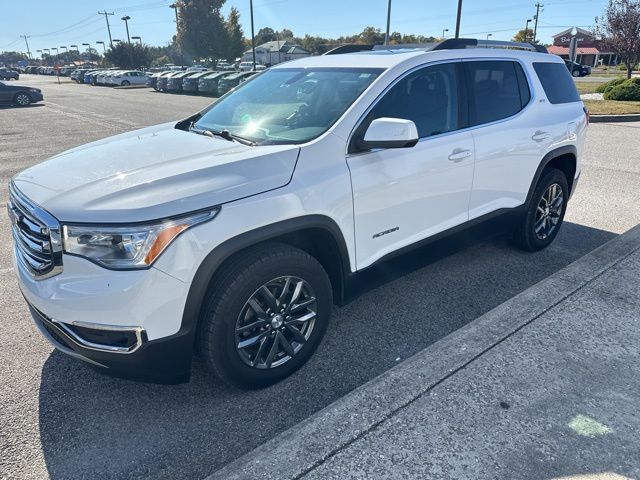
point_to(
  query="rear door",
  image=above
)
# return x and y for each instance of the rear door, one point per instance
(509, 135)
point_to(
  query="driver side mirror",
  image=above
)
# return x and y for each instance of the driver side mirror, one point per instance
(390, 133)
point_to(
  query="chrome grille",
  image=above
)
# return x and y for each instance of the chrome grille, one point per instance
(36, 234)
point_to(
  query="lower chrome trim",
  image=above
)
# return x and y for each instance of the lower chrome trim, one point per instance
(73, 337)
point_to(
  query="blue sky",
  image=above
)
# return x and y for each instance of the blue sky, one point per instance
(52, 23)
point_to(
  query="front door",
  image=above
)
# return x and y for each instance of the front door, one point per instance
(403, 195)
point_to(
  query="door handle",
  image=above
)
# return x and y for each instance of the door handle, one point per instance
(459, 154)
(540, 136)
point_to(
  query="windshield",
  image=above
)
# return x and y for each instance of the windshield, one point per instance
(292, 105)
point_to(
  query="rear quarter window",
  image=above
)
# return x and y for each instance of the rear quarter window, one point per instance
(556, 82)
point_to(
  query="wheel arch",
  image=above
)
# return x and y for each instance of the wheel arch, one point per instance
(318, 235)
(562, 158)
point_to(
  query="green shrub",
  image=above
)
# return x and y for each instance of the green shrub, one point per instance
(611, 83)
(627, 90)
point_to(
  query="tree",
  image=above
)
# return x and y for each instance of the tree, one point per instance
(235, 36)
(265, 35)
(126, 55)
(201, 29)
(285, 34)
(621, 31)
(11, 58)
(524, 36)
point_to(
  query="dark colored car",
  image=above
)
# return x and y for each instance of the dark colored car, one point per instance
(174, 82)
(8, 74)
(161, 83)
(19, 95)
(577, 70)
(190, 84)
(231, 81)
(153, 79)
(208, 85)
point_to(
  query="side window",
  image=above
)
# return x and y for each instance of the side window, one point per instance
(557, 82)
(497, 90)
(428, 96)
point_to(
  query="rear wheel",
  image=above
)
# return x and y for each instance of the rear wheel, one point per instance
(265, 315)
(576, 73)
(125, 83)
(545, 212)
(22, 99)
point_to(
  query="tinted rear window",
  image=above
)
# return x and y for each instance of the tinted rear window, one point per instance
(498, 90)
(557, 82)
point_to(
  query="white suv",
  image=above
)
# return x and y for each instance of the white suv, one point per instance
(232, 233)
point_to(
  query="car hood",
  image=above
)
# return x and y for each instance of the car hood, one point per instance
(153, 173)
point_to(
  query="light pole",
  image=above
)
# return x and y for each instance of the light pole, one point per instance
(139, 39)
(56, 49)
(126, 19)
(526, 29)
(458, 18)
(65, 48)
(74, 46)
(489, 35)
(40, 52)
(175, 9)
(386, 35)
(104, 49)
(253, 37)
(444, 31)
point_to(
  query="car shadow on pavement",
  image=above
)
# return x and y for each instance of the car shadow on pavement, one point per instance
(32, 105)
(95, 426)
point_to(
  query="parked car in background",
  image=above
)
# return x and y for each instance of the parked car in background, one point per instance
(19, 94)
(152, 81)
(197, 68)
(8, 74)
(78, 75)
(232, 80)
(208, 84)
(190, 83)
(90, 77)
(128, 77)
(577, 70)
(161, 83)
(174, 82)
(246, 66)
(224, 66)
(105, 78)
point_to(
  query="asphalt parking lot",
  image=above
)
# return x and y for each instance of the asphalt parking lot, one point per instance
(60, 419)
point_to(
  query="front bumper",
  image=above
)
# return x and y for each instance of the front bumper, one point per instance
(167, 360)
(139, 313)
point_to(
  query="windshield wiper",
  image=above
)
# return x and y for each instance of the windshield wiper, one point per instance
(232, 137)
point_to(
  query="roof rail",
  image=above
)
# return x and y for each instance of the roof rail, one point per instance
(459, 43)
(349, 48)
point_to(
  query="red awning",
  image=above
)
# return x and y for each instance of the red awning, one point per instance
(580, 51)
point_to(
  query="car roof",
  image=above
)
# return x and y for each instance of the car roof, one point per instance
(393, 57)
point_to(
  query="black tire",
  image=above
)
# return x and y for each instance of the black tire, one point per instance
(526, 236)
(125, 83)
(227, 306)
(22, 99)
(576, 73)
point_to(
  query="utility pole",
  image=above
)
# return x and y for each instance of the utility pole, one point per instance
(253, 38)
(106, 17)
(386, 35)
(535, 25)
(27, 43)
(458, 19)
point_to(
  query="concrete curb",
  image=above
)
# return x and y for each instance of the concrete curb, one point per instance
(308, 444)
(634, 117)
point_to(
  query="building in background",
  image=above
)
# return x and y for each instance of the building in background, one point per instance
(589, 48)
(278, 51)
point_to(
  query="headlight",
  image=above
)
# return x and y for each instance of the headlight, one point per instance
(35, 90)
(130, 247)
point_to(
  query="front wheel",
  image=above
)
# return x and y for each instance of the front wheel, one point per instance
(125, 83)
(265, 315)
(22, 99)
(576, 73)
(545, 212)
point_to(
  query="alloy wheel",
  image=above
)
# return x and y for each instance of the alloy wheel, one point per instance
(549, 211)
(23, 99)
(276, 322)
